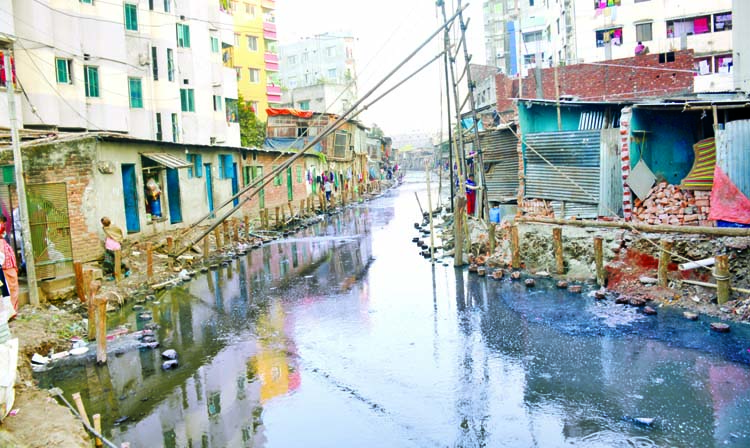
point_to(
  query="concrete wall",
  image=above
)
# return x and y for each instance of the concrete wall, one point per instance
(741, 17)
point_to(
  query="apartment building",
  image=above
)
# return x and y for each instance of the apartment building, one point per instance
(151, 69)
(319, 72)
(253, 55)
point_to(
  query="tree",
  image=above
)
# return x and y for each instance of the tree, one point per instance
(252, 130)
(376, 131)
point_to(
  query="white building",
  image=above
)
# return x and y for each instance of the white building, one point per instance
(152, 69)
(318, 73)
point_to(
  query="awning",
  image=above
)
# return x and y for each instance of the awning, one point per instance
(167, 160)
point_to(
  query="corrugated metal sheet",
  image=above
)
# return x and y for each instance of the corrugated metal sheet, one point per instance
(593, 120)
(167, 160)
(50, 230)
(610, 186)
(733, 153)
(499, 152)
(574, 153)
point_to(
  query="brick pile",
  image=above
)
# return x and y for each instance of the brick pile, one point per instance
(669, 205)
(537, 208)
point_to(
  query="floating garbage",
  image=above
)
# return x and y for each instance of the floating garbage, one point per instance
(145, 316)
(649, 311)
(720, 327)
(169, 354)
(562, 284)
(169, 365)
(690, 316)
(515, 275)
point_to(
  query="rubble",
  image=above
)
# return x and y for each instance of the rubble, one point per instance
(670, 205)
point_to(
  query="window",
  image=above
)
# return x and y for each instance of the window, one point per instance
(531, 2)
(167, 5)
(689, 26)
(643, 32)
(666, 57)
(217, 103)
(303, 59)
(131, 17)
(331, 52)
(151, 5)
(723, 21)
(250, 9)
(299, 174)
(187, 100)
(225, 166)
(196, 162)
(277, 178)
(613, 36)
(175, 128)
(170, 64)
(214, 44)
(304, 105)
(135, 89)
(64, 70)
(252, 43)
(332, 73)
(159, 135)
(89, 2)
(155, 63)
(534, 36)
(254, 75)
(292, 60)
(238, 72)
(183, 35)
(292, 82)
(91, 81)
(236, 40)
(232, 111)
(601, 4)
(340, 143)
(529, 59)
(723, 63)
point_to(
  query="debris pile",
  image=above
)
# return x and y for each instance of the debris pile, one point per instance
(668, 204)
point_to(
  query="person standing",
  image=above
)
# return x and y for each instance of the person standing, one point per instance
(471, 195)
(113, 238)
(328, 187)
(10, 273)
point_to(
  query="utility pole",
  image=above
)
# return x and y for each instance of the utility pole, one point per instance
(7, 44)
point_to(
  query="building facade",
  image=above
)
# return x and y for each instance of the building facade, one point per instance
(253, 54)
(325, 60)
(152, 69)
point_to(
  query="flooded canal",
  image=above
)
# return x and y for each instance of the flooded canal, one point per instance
(345, 336)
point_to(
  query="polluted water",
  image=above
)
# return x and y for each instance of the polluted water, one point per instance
(345, 335)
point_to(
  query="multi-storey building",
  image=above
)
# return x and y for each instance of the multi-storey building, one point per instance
(151, 69)
(253, 55)
(325, 61)
(553, 32)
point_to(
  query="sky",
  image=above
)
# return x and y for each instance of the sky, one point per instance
(387, 31)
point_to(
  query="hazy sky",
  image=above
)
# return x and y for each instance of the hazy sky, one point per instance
(386, 31)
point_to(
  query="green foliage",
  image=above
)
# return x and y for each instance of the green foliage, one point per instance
(376, 131)
(252, 130)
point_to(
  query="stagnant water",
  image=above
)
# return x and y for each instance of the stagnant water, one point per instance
(345, 336)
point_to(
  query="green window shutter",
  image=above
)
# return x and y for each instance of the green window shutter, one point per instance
(191, 100)
(91, 81)
(299, 174)
(214, 45)
(277, 178)
(170, 64)
(131, 17)
(63, 77)
(9, 174)
(187, 36)
(136, 93)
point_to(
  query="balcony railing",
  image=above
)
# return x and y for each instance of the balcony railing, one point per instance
(269, 30)
(273, 90)
(272, 61)
(268, 4)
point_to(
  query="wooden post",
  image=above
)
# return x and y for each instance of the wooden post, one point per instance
(149, 261)
(458, 234)
(722, 276)
(557, 243)
(664, 259)
(277, 216)
(118, 265)
(225, 231)
(88, 277)
(301, 208)
(217, 238)
(170, 248)
(599, 260)
(206, 248)
(81, 409)
(283, 216)
(80, 287)
(515, 247)
(101, 330)
(429, 211)
(247, 227)
(236, 232)
(98, 428)
(291, 209)
(491, 237)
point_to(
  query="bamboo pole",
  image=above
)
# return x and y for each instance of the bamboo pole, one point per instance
(170, 249)
(217, 238)
(98, 427)
(118, 266)
(101, 330)
(225, 232)
(419, 203)
(458, 233)
(558, 247)
(206, 249)
(81, 409)
(88, 277)
(277, 216)
(716, 231)
(236, 232)
(247, 226)
(665, 258)
(515, 247)
(711, 285)
(722, 276)
(599, 260)
(429, 211)
(491, 236)
(149, 261)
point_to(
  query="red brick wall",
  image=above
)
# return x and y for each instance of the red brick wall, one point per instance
(630, 78)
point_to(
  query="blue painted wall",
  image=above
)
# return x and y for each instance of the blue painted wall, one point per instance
(669, 139)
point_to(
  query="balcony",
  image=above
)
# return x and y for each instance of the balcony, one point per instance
(272, 89)
(268, 4)
(272, 61)
(269, 30)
